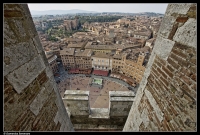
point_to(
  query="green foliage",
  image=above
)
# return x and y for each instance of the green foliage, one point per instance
(90, 19)
(51, 38)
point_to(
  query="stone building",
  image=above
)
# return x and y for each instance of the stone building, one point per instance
(142, 35)
(52, 62)
(82, 59)
(101, 61)
(134, 69)
(150, 43)
(129, 67)
(67, 57)
(117, 63)
(76, 58)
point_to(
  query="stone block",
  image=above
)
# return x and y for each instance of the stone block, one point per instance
(187, 34)
(25, 74)
(174, 28)
(144, 117)
(62, 126)
(37, 43)
(39, 101)
(56, 118)
(163, 47)
(120, 106)
(154, 105)
(178, 8)
(83, 108)
(25, 10)
(49, 85)
(16, 55)
(9, 34)
(166, 26)
(30, 27)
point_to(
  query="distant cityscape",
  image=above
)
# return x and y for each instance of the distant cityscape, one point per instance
(106, 44)
(85, 12)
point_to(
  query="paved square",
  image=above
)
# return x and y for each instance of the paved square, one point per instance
(98, 98)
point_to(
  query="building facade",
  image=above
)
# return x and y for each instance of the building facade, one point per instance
(76, 58)
(67, 57)
(101, 61)
(82, 59)
(134, 69)
(53, 63)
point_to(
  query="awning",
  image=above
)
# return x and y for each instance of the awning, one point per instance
(100, 72)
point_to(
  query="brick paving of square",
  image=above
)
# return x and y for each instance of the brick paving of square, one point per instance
(98, 98)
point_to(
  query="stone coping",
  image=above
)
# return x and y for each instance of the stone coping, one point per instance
(74, 97)
(121, 94)
(122, 98)
(99, 113)
(76, 92)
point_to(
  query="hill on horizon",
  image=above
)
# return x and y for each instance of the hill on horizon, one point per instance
(59, 12)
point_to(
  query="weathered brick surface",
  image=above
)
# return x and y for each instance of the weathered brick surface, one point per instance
(181, 19)
(174, 28)
(42, 78)
(192, 12)
(174, 64)
(171, 84)
(25, 79)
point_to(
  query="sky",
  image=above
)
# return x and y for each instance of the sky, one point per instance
(102, 7)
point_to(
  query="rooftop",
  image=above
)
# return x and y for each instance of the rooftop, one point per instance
(77, 45)
(85, 53)
(101, 55)
(67, 51)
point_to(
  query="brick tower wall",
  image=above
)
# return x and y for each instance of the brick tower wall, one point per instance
(31, 98)
(166, 98)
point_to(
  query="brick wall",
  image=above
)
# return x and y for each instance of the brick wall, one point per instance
(31, 99)
(166, 97)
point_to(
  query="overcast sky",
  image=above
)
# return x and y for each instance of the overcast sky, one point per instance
(103, 7)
